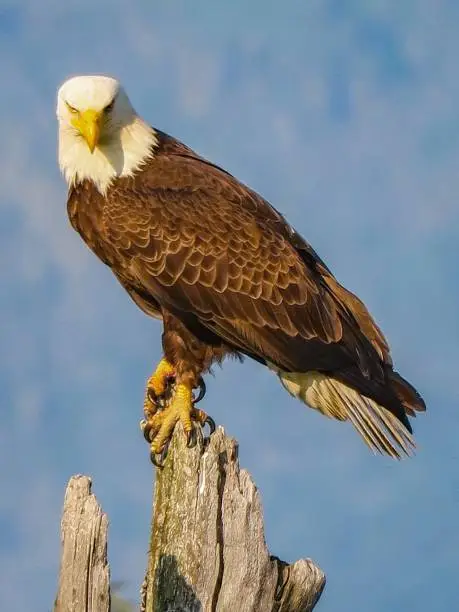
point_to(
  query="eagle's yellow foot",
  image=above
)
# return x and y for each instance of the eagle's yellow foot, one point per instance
(159, 381)
(158, 426)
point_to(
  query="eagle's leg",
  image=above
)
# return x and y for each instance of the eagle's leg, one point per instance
(169, 396)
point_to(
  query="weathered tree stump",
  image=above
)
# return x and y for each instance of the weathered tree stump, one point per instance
(84, 578)
(207, 544)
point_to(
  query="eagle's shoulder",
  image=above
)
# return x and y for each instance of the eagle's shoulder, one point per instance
(175, 166)
(175, 173)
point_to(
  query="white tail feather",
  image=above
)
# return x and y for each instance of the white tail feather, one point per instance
(379, 428)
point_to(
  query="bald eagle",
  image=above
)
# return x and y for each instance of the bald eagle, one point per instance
(223, 270)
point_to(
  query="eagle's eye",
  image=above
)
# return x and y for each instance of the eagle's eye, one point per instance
(109, 107)
(72, 109)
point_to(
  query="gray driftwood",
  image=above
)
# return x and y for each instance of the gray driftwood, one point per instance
(84, 579)
(207, 544)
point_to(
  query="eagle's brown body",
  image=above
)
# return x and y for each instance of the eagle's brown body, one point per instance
(227, 274)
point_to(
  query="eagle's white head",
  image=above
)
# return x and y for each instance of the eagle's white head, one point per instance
(101, 136)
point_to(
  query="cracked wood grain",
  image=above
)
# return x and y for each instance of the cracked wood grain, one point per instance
(207, 544)
(84, 577)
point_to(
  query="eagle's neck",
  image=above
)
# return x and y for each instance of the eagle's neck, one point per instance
(121, 156)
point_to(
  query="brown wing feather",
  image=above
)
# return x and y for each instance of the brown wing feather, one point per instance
(197, 240)
(189, 235)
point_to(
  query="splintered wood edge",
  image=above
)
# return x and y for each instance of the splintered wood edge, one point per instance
(84, 577)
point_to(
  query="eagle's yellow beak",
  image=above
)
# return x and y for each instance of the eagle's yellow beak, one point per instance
(88, 123)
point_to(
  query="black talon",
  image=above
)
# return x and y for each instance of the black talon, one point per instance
(149, 433)
(211, 423)
(146, 428)
(191, 439)
(146, 433)
(202, 391)
(154, 399)
(158, 459)
(156, 462)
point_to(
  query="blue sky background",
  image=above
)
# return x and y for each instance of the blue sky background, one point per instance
(345, 115)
